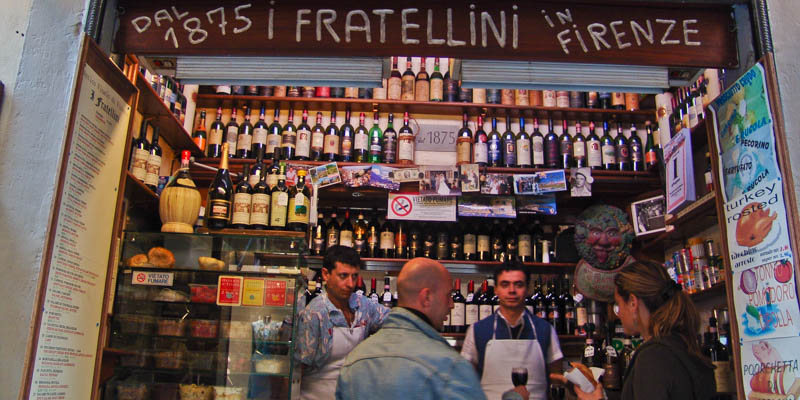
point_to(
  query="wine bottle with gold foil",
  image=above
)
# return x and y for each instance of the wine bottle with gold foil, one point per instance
(220, 194)
(279, 201)
(299, 204)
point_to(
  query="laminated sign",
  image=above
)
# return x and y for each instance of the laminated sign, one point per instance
(414, 207)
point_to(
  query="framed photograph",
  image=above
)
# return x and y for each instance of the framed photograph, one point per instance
(487, 206)
(440, 181)
(470, 178)
(500, 184)
(648, 215)
(580, 182)
(540, 182)
(356, 176)
(544, 204)
(325, 175)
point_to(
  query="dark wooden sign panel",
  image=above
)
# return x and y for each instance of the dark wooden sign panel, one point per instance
(679, 35)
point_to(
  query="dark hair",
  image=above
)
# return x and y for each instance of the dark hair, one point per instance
(342, 254)
(512, 265)
(671, 310)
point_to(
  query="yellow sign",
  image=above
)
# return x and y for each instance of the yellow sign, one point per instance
(253, 293)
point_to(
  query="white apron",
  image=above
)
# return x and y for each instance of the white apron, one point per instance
(503, 355)
(321, 385)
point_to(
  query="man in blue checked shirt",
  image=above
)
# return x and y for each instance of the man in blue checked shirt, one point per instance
(333, 323)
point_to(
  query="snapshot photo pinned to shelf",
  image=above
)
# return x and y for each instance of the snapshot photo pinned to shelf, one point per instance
(325, 175)
(488, 207)
(440, 181)
(291, 173)
(769, 370)
(401, 175)
(470, 178)
(379, 176)
(580, 182)
(544, 204)
(648, 215)
(500, 184)
(356, 176)
(540, 182)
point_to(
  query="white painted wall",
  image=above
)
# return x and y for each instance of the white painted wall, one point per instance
(38, 71)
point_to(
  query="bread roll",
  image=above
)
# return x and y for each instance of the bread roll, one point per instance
(138, 260)
(585, 371)
(161, 257)
(210, 264)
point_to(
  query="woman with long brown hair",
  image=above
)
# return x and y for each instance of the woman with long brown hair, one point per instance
(669, 364)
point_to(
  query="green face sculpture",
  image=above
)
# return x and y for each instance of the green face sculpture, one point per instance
(603, 236)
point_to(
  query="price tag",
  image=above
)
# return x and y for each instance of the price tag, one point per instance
(437, 137)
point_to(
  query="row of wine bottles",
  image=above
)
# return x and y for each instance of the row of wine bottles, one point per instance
(146, 157)
(348, 143)
(471, 239)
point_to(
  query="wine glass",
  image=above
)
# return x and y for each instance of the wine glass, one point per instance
(519, 376)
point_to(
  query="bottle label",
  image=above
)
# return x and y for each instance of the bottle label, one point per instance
(588, 352)
(609, 154)
(389, 148)
(298, 209)
(479, 96)
(219, 209)
(484, 310)
(279, 204)
(361, 141)
(579, 150)
(272, 180)
(244, 142)
(273, 141)
(215, 137)
(723, 376)
(524, 246)
(139, 168)
(289, 139)
(510, 153)
(636, 152)
(494, 150)
(395, 89)
(521, 97)
(523, 152)
(551, 150)
(331, 144)
(463, 150)
(259, 136)
(507, 97)
(471, 313)
(483, 243)
(233, 134)
(581, 316)
(437, 89)
(200, 142)
(421, 90)
(617, 99)
(405, 150)
(350, 92)
(566, 147)
(303, 143)
(153, 166)
(259, 209)
(347, 146)
(650, 157)
(407, 90)
(623, 153)
(317, 141)
(333, 238)
(387, 241)
(611, 351)
(549, 98)
(562, 99)
(595, 155)
(457, 314)
(346, 238)
(481, 150)
(538, 150)
(241, 208)
(470, 243)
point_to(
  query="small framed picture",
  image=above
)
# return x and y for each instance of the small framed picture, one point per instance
(470, 178)
(440, 181)
(648, 215)
(500, 184)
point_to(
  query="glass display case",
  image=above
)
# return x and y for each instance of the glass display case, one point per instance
(205, 316)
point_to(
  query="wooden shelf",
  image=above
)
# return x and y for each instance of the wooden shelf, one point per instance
(140, 195)
(170, 128)
(700, 136)
(691, 220)
(379, 264)
(716, 291)
(252, 232)
(418, 107)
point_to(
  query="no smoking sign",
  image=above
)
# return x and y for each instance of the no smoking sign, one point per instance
(414, 207)
(402, 206)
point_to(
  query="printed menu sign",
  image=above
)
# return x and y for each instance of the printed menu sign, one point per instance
(765, 301)
(229, 291)
(72, 305)
(276, 292)
(253, 292)
(770, 369)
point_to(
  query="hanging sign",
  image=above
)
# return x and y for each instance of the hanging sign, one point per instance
(770, 369)
(414, 207)
(766, 301)
(679, 171)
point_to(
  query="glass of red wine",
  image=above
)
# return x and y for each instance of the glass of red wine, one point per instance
(519, 376)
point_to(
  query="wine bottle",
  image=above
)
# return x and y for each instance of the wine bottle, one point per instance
(524, 244)
(495, 145)
(242, 201)
(612, 378)
(346, 231)
(220, 194)
(523, 146)
(581, 313)
(360, 288)
(539, 302)
(422, 84)
(484, 245)
(153, 162)
(405, 143)
(389, 144)
(480, 147)
(626, 355)
(594, 153)
(414, 241)
(401, 240)
(436, 83)
(552, 151)
(509, 146)
(274, 137)
(566, 147)
(346, 132)
(199, 136)
(244, 139)
(537, 145)
(375, 141)
(360, 235)
(361, 141)
(273, 171)
(299, 204)
(279, 201)
(592, 355)
(636, 151)
(373, 237)
(259, 208)
(484, 301)
(456, 243)
(429, 244)
(318, 236)
(570, 320)
(604, 100)
(141, 153)
(608, 147)
(458, 312)
(622, 149)
(331, 150)
(592, 100)
(232, 133)
(395, 86)
(579, 147)
(497, 245)
(386, 297)
(373, 294)
(529, 304)
(470, 242)
(317, 139)
(618, 100)
(495, 298)
(289, 138)
(387, 240)
(303, 151)
(650, 151)
(333, 232)
(451, 90)
(442, 242)
(464, 142)
(214, 148)
(260, 133)
(718, 353)
(407, 81)
(471, 310)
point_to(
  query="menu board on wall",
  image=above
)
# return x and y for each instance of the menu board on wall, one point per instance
(75, 277)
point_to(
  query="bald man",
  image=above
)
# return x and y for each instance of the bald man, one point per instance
(408, 358)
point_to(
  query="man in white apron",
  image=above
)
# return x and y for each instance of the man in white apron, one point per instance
(333, 323)
(512, 337)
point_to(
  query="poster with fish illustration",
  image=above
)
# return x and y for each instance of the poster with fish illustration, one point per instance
(770, 369)
(765, 300)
